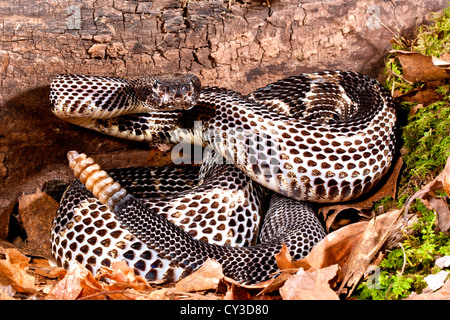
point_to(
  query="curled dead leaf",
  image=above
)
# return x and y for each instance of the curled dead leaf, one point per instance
(428, 197)
(310, 285)
(36, 213)
(422, 68)
(77, 279)
(375, 234)
(335, 247)
(122, 276)
(285, 261)
(443, 262)
(13, 271)
(206, 277)
(423, 96)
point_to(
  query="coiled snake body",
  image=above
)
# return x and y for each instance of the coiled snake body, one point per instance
(321, 137)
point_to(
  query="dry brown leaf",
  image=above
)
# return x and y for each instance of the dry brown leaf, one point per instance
(389, 188)
(123, 277)
(416, 108)
(36, 212)
(442, 209)
(206, 277)
(421, 68)
(287, 267)
(42, 267)
(426, 194)
(77, 280)
(424, 96)
(307, 285)
(69, 288)
(275, 283)
(13, 271)
(335, 248)
(285, 261)
(441, 294)
(374, 236)
(236, 292)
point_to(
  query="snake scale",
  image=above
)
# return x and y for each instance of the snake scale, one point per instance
(320, 137)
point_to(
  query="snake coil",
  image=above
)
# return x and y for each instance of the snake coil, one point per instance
(320, 137)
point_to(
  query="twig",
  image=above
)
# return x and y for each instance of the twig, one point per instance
(397, 36)
(381, 22)
(401, 273)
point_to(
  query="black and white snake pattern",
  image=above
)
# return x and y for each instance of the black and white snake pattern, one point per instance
(320, 137)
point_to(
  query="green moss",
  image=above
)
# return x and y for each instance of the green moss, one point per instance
(434, 40)
(426, 139)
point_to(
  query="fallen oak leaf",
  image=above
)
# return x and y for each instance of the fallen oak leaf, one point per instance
(13, 271)
(286, 265)
(42, 267)
(333, 249)
(122, 276)
(277, 282)
(377, 231)
(77, 282)
(36, 212)
(423, 96)
(426, 195)
(310, 285)
(418, 67)
(285, 260)
(207, 277)
(69, 288)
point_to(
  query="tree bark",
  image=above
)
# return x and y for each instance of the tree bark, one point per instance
(241, 45)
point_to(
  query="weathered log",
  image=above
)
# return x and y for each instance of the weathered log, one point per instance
(241, 45)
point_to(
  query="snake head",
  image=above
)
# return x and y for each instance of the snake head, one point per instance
(164, 92)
